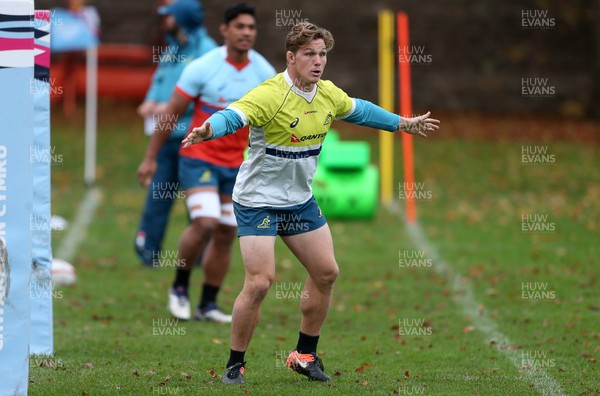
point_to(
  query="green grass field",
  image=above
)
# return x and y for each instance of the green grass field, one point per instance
(516, 255)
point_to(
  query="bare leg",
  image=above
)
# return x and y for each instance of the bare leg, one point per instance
(217, 256)
(193, 240)
(258, 253)
(314, 249)
(195, 236)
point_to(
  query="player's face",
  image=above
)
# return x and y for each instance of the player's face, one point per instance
(240, 33)
(308, 63)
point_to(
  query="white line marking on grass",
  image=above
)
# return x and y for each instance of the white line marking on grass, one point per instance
(77, 231)
(542, 381)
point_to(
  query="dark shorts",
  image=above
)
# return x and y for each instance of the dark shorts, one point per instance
(197, 173)
(267, 220)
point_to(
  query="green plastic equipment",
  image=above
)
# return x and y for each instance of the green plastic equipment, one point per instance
(346, 184)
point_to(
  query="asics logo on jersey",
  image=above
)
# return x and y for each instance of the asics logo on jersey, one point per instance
(295, 122)
(327, 119)
(266, 223)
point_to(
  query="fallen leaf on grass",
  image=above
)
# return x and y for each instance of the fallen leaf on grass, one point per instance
(365, 383)
(337, 374)
(511, 347)
(468, 329)
(47, 363)
(216, 341)
(476, 271)
(406, 374)
(87, 365)
(545, 323)
(212, 373)
(186, 375)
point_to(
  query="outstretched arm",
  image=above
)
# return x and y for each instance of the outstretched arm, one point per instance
(371, 115)
(221, 123)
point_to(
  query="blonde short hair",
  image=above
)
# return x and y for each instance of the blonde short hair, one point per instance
(305, 32)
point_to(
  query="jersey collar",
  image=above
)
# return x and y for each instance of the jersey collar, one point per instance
(308, 96)
(238, 66)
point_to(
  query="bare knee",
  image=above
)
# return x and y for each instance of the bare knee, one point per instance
(204, 226)
(223, 236)
(257, 287)
(326, 277)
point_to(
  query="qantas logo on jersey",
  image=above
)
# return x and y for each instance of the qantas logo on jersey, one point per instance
(294, 138)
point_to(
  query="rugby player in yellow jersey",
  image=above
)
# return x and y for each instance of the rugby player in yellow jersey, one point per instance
(289, 116)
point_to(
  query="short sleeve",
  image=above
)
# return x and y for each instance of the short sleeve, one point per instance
(191, 82)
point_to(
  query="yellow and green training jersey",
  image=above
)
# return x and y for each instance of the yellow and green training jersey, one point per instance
(287, 129)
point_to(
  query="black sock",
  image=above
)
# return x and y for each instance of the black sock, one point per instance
(182, 278)
(209, 294)
(307, 344)
(235, 357)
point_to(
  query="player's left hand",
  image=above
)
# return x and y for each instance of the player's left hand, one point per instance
(198, 135)
(420, 125)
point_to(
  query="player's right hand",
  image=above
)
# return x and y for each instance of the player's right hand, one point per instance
(145, 172)
(198, 135)
(147, 108)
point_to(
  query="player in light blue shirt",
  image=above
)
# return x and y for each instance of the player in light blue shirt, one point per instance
(186, 39)
(207, 174)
